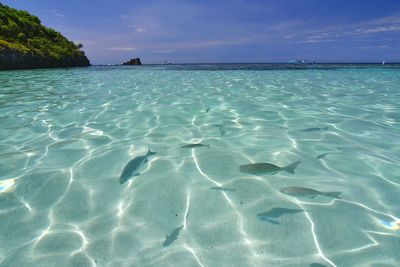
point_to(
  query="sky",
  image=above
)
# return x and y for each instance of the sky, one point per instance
(225, 31)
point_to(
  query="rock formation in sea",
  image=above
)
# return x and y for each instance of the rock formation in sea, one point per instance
(26, 44)
(133, 61)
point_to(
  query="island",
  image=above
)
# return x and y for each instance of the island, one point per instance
(26, 44)
(133, 61)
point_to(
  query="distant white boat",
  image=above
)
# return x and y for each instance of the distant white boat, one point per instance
(298, 61)
(383, 62)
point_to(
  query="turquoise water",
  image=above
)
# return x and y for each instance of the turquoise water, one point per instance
(67, 135)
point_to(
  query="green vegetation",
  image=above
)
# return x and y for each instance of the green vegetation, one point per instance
(25, 43)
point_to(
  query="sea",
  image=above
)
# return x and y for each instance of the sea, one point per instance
(201, 165)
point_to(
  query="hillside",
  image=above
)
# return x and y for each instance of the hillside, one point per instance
(25, 43)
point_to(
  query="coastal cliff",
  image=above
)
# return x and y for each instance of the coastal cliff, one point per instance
(26, 44)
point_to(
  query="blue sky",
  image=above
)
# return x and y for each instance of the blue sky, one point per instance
(226, 31)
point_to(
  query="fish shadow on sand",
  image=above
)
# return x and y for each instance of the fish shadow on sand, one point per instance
(320, 156)
(221, 129)
(315, 129)
(275, 213)
(169, 239)
(296, 191)
(220, 188)
(195, 145)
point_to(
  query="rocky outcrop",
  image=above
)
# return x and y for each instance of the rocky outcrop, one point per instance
(14, 59)
(133, 61)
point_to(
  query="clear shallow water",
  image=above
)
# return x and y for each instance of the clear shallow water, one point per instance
(66, 136)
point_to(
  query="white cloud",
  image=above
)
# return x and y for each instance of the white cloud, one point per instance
(374, 47)
(122, 48)
(163, 51)
(54, 12)
(389, 28)
(140, 29)
(84, 42)
(200, 44)
(393, 19)
(356, 30)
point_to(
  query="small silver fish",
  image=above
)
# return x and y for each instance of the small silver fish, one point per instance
(267, 168)
(315, 129)
(169, 239)
(132, 168)
(222, 189)
(307, 192)
(320, 156)
(221, 129)
(195, 145)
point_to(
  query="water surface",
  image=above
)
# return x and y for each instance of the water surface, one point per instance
(66, 136)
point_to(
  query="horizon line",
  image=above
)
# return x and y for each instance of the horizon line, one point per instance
(207, 63)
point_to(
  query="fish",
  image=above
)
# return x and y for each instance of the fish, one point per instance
(207, 109)
(169, 239)
(276, 213)
(194, 145)
(307, 192)
(222, 189)
(320, 156)
(132, 168)
(221, 129)
(267, 168)
(315, 129)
